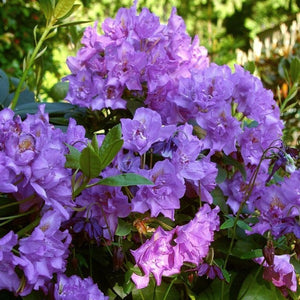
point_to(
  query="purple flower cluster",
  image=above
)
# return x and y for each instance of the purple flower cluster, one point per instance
(73, 288)
(33, 157)
(195, 120)
(279, 207)
(136, 55)
(166, 251)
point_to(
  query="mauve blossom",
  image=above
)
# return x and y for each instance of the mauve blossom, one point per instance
(45, 251)
(105, 204)
(158, 257)
(194, 238)
(9, 279)
(162, 197)
(279, 208)
(142, 131)
(76, 288)
(281, 273)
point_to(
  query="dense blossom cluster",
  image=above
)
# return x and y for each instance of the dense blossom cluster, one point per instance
(195, 119)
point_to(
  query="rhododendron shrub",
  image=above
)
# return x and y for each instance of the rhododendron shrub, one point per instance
(188, 180)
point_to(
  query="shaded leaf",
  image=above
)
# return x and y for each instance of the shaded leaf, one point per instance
(244, 225)
(4, 87)
(126, 179)
(227, 224)
(257, 289)
(228, 160)
(295, 69)
(222, 175)
(123, 228)
(73, 158)
(252, 254)
(90, 162)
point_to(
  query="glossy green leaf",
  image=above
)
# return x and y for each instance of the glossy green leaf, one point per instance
(111, 145)
(295, 69)
(32, 108)
(127, 179)
(243, 225)
(4, 87)
(258, 289)
(90, 162)
(252, 254)
(123, 228)
(62, 8)
(227, 224)
(73, 158)
(222, 175)
(219, 200)
(95, 144)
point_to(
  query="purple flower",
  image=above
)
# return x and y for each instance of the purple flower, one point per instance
(222, 130)
(281, 273)
(279, 208)
(75, 288)
(158, 257)
(105, 205)
(211, 271)
(9, 279)
(194, 238)
(162, 197)
(142, 131)
(45, 251)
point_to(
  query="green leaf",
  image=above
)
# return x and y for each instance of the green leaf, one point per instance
(41, 52)
(213, 291)
(71, 11)
(46, 7)
(250, 124)
(62, 8)
(243, 225)
(95, 144)
(152, 291)
(123, 228)
(72, 23)
(111, 145)
(4, 87)
(227, 224)
(250, 66)
(32, 108)
(90, 162)
(219, 199)
(73, 158)
(126, 179)
(228, 160)
(295, 69)
(252, 254)
(257, 289)
(222, 175)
